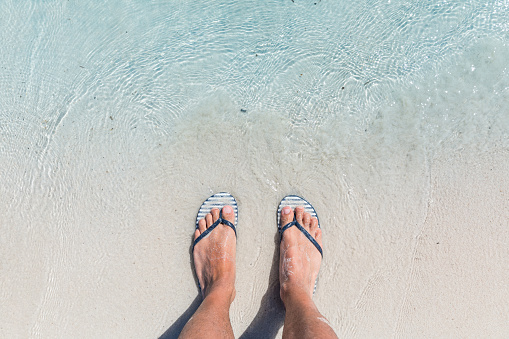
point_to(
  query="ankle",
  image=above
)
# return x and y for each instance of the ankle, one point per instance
(294, 293)
(220, 291)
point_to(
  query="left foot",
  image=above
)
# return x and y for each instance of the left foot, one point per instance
(214, 255)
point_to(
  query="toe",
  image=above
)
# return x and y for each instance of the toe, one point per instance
(228, 214)
(318, 236)
(313, 226)
(299, 214)
(208, 218)
(202, 225)
(215, 214)
(314, 230)
(196, 234)
(306, 221)
(286, 216)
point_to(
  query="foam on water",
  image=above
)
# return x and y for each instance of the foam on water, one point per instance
(117, 120)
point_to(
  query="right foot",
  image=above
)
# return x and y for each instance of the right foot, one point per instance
(299, 259)
(214, 255)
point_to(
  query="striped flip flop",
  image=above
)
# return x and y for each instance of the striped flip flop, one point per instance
(218, 200)
(294, 201)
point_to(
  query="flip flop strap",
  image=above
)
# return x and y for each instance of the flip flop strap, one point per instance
(303, 230)
(214, 225)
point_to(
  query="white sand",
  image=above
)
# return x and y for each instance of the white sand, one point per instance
(452, 280)
(444, 274)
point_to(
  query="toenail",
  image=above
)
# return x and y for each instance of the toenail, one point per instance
(227, 209)
(287, 210)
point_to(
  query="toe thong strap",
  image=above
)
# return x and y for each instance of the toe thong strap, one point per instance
(303, 230)
(214, 225)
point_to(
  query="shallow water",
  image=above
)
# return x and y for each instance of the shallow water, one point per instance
(118, 119)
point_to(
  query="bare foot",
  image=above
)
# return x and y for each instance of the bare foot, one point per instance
(214, 255)
(299, 260)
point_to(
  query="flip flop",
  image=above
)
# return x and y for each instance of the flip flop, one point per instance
(294, 201)
(218, 200)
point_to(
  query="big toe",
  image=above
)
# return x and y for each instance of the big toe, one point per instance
(228, 214)
(286, 216)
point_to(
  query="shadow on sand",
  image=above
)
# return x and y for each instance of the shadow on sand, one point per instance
(174, 330)
(271, 315)
(178, 325)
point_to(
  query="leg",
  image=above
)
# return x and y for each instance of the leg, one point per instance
(214, 261)
(299, 264)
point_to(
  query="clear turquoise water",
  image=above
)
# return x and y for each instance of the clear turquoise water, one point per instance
(110, 112)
